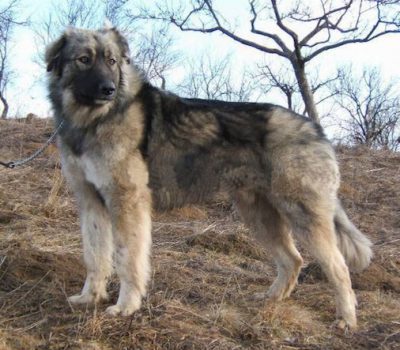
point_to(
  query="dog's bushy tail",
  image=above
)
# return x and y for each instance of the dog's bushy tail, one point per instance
(355, 247)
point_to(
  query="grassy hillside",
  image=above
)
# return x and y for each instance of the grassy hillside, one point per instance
(205, 268)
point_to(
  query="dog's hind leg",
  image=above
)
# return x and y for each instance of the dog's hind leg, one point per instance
(270, 229)
(313, 225)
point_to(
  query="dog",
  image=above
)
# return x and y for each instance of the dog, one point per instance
(127, 146)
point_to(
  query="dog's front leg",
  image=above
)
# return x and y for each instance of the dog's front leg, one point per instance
(96, 230)
(131, 220)
(97, 245)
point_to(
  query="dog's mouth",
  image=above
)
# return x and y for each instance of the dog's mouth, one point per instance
(93, 100)
(103, 100)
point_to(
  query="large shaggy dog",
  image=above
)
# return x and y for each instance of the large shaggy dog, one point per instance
(126, 144)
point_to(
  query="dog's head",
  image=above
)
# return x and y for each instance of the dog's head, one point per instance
(90, 67)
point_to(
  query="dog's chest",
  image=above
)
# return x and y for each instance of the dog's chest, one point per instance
(95, 170)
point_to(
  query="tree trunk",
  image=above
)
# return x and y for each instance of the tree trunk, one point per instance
(305, 91)
(289, 100)
(5, 107)
(163, 82)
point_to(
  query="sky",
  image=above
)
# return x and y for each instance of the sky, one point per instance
(27, 94)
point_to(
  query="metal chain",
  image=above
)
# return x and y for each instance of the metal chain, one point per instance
(23, 161)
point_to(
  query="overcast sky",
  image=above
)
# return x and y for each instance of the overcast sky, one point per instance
(28, 92)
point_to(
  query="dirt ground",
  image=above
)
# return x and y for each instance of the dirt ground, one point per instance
(206, 268)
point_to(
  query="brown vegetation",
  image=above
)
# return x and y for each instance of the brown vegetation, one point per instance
(205, 268)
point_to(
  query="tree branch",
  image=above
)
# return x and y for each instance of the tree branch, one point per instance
(274, 37)
(280, 23)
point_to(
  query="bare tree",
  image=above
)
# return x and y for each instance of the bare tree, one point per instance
(281, 80)
(80, 13)
(212, 78)
(297, 33)
(5, 72)
(77, 13)
(372, 108)
(284, 82)
(152, 49)
(153, 54)
(8, 20)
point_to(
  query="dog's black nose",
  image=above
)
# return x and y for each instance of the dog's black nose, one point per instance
(107, 89)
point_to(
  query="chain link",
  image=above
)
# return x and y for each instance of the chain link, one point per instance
(23, 161)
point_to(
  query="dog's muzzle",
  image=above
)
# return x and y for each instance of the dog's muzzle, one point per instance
(107, 91)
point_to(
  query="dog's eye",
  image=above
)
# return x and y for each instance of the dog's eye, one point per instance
(84, 59)
(111, 61)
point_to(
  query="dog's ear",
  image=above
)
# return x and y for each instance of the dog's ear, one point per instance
(107, 25)
(53, 55)
(123, 46)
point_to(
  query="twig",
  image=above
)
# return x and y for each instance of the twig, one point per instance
(33, 325)
(390, 242)
(2, 260)
(373, 170)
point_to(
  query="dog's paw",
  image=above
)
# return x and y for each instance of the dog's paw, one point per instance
(345, 326)
(280, 289)
(113, 310)
(81, 299)
(120, 310)
(266, 296)
(129, 301)
(88, 298)
(274, 296)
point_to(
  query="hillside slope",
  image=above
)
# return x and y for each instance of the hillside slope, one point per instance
(205, 268)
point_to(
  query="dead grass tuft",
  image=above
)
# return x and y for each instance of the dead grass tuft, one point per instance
(227, 243)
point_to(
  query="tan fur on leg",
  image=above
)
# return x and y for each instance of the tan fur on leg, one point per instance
(270, 230)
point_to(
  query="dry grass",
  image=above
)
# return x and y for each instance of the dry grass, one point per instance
(205, 269)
